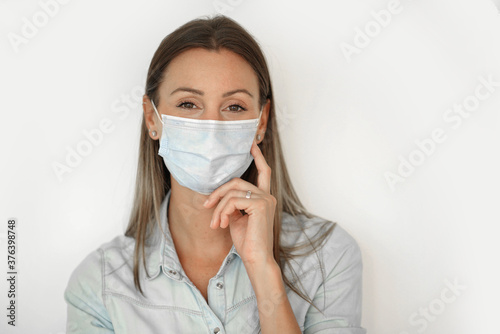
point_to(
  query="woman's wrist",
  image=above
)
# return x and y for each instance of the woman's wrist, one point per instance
(263, 275)
(275, 311)
(261, 268)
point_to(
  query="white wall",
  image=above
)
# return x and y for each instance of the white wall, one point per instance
(345, 125)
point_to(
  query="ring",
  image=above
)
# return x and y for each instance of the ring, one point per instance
(249, 193)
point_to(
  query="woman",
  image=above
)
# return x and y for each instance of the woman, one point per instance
(218, 241)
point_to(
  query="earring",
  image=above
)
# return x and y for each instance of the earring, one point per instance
(153, 133)
(258, 137)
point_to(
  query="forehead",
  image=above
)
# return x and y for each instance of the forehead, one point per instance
(211, 70)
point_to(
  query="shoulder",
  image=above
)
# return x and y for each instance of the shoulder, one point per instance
(87, 277)
(85, 291)
(330, 274)
(334, 247)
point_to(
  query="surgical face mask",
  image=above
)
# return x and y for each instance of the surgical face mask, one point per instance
(204, 154)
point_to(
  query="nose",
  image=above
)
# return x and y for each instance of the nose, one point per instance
(212, 113)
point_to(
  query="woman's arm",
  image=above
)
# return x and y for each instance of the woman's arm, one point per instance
(275, 312)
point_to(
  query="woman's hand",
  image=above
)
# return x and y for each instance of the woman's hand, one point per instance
(252, 234)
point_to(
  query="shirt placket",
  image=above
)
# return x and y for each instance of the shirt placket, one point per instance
(215, 310)
(216, 292)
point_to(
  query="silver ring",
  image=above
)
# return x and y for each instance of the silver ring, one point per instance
(249, 193)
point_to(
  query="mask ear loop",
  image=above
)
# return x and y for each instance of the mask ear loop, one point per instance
(159, 114)
(260, 114)
(258, 120)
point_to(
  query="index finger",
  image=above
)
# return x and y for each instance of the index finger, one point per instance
(264, 171)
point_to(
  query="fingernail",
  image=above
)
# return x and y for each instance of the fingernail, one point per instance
(211, 223)
(206, 202)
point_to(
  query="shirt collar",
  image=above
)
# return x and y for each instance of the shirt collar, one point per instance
(161, 254)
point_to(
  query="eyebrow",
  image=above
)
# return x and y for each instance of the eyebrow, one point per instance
(199, 92)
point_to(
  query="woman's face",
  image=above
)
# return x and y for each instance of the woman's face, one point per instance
(216, 85)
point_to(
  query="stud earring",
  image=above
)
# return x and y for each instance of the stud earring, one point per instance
(258, 137)
(153, 133)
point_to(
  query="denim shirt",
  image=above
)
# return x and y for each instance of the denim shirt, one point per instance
(102, 298)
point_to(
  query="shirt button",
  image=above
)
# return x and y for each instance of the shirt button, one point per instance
(219, 285)
(216, 330)
(173, 272)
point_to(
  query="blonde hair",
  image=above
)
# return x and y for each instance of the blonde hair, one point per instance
(153, 178)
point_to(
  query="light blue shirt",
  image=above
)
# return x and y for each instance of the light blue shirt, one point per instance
(102, 298)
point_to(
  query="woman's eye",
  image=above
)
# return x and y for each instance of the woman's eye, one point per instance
(187, 105)
(191, 105)
(236, 108)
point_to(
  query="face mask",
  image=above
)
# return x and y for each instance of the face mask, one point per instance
(204, 154)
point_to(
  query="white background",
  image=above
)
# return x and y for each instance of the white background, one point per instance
(344, 126)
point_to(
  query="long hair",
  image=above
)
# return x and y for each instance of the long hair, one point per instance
(153, 178)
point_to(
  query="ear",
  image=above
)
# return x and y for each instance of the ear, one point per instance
(150, 117)
(261, 130)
